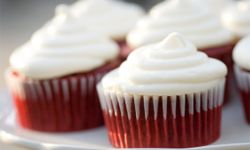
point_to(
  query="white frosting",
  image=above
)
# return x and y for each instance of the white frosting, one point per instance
(236, 18)
(171, 67)
(241, 53)
(215, 6)
(196, 23)
(110, 17)
(61, 48)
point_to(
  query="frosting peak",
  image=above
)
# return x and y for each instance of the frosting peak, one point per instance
(171, 67)
(62, 47)
(174, 41)
(197, 23)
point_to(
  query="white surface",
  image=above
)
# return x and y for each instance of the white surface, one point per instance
(235, 134)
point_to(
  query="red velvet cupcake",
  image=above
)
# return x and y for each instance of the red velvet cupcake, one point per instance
(109, 17)
(197, 23)
(164, 95)
(235, 17)
(241, 57)
(52, 78)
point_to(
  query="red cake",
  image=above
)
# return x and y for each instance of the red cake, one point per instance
(224, 53)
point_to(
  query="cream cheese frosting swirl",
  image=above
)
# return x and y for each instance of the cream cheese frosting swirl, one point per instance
(215, 6)
(241, 53)
(196, 23)
(62, 47)
(171, 67)
(236, 18)
(112, 18)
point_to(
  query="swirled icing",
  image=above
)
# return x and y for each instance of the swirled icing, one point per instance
(171, 67)
(241, 53)
(61, 48)
(196, 23)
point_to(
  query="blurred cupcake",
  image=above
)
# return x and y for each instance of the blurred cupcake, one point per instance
(236, 18)
(164, 95)
(111, 18)
(52, 78)
(196, 23)
(241, 56)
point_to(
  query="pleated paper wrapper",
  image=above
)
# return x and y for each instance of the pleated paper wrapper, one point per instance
(136, 121)
(58, 105)
(224, 53)
(243, 82)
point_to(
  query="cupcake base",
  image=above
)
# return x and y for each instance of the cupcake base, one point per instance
(183, 121)
(58, 105)
(243, 81)
(223, 53)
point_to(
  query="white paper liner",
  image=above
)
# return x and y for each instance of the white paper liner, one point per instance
(66, 104)
(210, 98)
(16, 85)
(243, 78)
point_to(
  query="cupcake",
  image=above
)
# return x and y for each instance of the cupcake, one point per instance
(52, 77)
(196, 23)
(166, 94)
(236, 18)
(241, 56)
(111, 18)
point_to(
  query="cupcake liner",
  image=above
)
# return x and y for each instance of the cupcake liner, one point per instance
(135, 121)
(243, 82)
(57, 105)
(224, 53)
